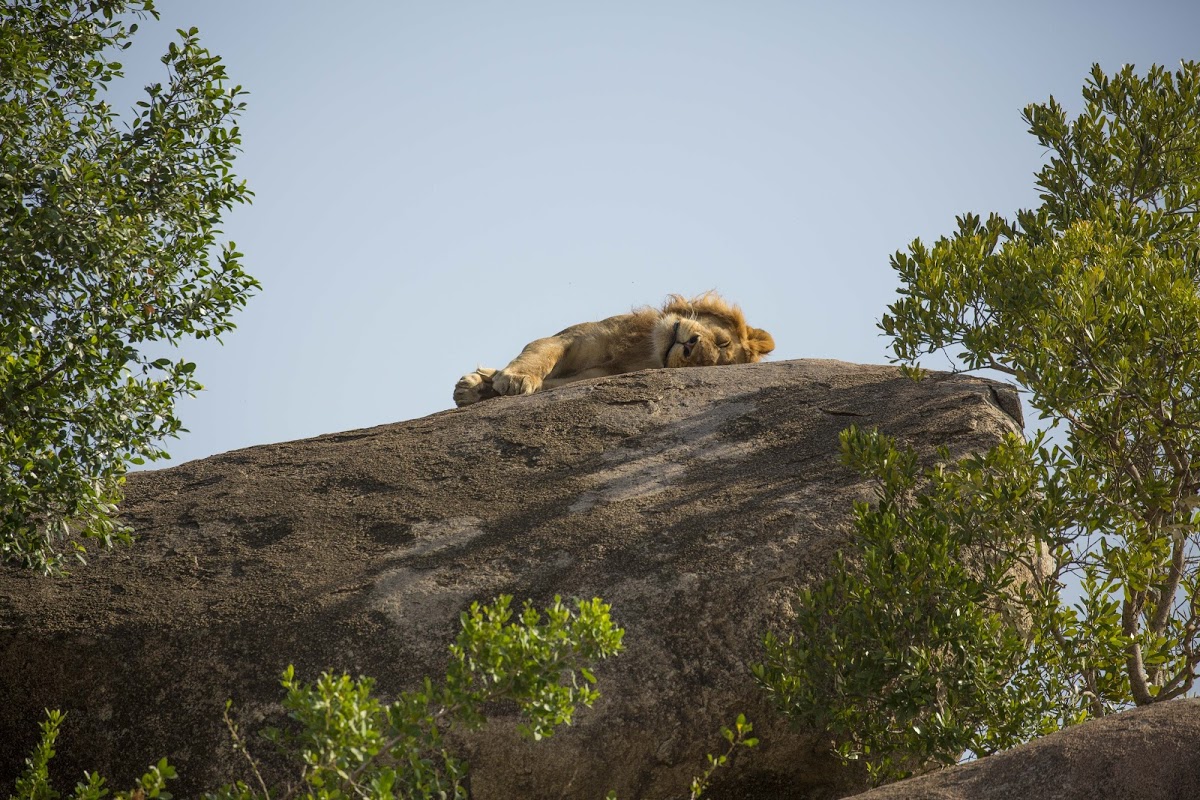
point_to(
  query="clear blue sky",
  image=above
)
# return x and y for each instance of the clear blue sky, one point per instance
(439, 183)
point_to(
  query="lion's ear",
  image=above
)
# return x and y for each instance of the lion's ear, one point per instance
(759, 342)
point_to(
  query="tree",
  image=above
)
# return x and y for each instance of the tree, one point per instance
(1091, 303)
(106, 236)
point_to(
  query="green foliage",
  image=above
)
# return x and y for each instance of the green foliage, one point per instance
(34, 783)
(351, 744)
(915, 649)
(1091, 302)
(106, 233)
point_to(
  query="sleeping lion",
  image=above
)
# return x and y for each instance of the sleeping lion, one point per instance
(700, 332)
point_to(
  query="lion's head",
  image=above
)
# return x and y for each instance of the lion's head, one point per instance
(706, 331)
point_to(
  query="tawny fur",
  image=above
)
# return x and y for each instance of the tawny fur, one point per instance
(704, 331)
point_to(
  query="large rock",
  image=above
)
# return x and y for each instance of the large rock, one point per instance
(695, 501)
(1147, 754)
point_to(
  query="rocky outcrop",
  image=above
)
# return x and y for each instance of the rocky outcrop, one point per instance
(695, 501)
(1150, 753)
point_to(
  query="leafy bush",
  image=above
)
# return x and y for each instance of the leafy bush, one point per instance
(347, 743)
(918, 647)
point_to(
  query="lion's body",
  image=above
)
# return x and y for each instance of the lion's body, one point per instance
(704, 331)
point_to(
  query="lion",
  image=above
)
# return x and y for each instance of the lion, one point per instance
(704, 331)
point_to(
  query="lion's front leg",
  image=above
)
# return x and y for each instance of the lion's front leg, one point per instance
(474, 386)
(527, 371)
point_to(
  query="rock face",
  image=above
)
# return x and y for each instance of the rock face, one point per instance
(695, 501)
(1150, 753)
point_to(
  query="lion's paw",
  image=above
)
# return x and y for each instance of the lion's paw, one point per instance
(512, 383)
(474, 386)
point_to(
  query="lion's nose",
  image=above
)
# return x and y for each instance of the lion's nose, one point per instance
(689, 344)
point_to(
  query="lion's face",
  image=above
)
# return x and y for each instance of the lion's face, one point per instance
(704, 339)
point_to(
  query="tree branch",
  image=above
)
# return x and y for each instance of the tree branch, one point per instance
(1134, 664)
